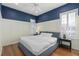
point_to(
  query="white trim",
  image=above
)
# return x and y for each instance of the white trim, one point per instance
(10, 43)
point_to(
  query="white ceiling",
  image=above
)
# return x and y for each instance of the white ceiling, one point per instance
(28, 7)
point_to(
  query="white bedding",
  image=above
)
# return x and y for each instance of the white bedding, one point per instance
(38, 44)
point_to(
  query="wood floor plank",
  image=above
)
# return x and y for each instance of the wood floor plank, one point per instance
(8, 51)
(17, 51)
(3, 51)
(65, 52)
(13, 50)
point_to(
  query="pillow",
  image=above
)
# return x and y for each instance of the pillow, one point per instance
(46, 34)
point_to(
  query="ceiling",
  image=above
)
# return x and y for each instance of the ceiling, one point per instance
(29, 7)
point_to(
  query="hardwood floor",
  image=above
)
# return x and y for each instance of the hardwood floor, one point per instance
(13, 50)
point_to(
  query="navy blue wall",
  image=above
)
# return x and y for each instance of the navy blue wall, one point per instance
(54, 14)
(0, 9)
(9, 13)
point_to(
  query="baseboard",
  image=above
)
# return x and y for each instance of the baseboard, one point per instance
(10, 43)
(0, 51)
(75, 49)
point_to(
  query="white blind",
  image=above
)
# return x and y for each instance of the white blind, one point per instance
(71, 30)
(63, 24)
(68, 26)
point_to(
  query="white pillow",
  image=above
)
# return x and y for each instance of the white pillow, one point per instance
(46, 34)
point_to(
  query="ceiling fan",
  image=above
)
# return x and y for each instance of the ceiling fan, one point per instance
(36, 7)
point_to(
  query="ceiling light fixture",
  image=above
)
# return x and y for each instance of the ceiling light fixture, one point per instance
(36, 7)
(16, 3)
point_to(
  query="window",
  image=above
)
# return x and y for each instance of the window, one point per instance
(68, 24)
(33, 26)
(71, 25)
(63, 24)
(64, 19)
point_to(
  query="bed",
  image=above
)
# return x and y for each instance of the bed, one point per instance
(39, 45)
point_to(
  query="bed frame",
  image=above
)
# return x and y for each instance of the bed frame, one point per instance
(45, 53)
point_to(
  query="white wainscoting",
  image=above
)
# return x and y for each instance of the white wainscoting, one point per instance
(75, 42)
(51, 26)
(12, 30)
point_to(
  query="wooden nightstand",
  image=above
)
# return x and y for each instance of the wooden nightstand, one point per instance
(63, 45)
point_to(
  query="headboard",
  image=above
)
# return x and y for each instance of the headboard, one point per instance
(54, 34)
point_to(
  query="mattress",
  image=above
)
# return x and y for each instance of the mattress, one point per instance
(38, 44)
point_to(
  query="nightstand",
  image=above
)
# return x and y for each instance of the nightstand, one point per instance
(36, 34)
(63, 45)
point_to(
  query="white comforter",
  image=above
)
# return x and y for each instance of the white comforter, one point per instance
(38, 43)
